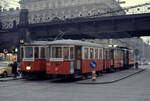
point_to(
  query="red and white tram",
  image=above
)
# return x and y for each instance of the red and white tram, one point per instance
(70, 57)
(131, 58)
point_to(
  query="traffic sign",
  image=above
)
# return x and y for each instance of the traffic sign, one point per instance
(93, 64)
(5, 51)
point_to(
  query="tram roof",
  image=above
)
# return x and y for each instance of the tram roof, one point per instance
(36, 43)
(76, 42)
(65, 42)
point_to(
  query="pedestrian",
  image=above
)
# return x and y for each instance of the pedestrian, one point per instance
(136, 65)
(14, 69)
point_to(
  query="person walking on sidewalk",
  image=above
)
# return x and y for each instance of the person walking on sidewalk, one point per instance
(14, 69)
(136, 65)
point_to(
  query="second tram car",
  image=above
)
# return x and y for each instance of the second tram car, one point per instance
(69, 57)
(73, 57)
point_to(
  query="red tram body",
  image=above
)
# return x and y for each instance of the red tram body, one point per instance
(69, 57)
(33, 59)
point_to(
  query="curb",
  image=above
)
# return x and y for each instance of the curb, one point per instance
(113, 81)
(10, 80)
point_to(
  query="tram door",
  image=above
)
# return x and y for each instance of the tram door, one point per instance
(104, 59)
(125, 58)
(78, 58)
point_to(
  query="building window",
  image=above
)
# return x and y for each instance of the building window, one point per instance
(72, 15)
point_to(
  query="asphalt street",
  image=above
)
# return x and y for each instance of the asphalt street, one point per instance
(135, 88)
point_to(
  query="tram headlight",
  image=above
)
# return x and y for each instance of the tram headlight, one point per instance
(28, 68)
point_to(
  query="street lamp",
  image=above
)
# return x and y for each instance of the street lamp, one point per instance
(22, 41)
(16, 50)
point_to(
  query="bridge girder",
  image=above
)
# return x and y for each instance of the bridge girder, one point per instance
(103, 27)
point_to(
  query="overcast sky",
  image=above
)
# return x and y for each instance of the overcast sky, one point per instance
(133, 2)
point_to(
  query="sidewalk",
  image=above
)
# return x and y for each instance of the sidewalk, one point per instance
(112, 77)
(9, 78)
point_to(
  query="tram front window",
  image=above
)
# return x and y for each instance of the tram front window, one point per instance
(42, 53)
(28, 52)
(36, 52)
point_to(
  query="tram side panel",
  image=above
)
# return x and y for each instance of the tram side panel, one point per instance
(108, 59)
(121, 59)
(126, 59)
(89, 55)
(116, 58)
(35, 66)
(60, 61)
(60, 67)
(131, 58)
(78, 63)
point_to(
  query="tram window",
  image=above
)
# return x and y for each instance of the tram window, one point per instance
(56, 52)
(106, 54)
(86, 53)
(109, 54)
(42, 53)
(48, 52)
(100, 54)
(116, 54)
(21, 54)
(71, 53)
(96, 53)
(36, 52)
(29, 52)
(66, 52)
(91, 53)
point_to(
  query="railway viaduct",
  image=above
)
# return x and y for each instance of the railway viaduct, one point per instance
(124, 26)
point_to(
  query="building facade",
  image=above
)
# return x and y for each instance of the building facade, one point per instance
(47, 10)
(9, 18)
(41, 11)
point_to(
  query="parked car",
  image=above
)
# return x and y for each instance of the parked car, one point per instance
(6, 69)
